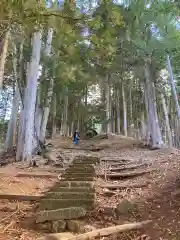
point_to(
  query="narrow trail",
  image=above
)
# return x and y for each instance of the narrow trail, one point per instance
(153, 195)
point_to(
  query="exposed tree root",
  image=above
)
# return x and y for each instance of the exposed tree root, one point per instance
(100, 232)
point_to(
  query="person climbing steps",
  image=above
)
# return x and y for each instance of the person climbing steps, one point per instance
(76, 137)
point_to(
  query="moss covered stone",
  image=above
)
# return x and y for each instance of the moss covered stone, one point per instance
(68, 184)
(61, 214)
(70, 195)
(51, 204)
(73, 189)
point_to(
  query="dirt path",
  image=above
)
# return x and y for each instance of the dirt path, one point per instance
(158, 200)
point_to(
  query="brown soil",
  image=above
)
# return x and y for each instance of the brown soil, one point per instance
(159, 201)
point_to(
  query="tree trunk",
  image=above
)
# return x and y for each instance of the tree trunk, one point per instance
(13, 120)
(156, 138)
(38, 120)
(64, 129)
(46, 111)
(48, 98)
(3, 57)
(170, 141)
(130, 108)
(27, 128)
(124, 111)
(108, 108)
(174, 92)
(103, 114)
(54, 116)
(118, 112)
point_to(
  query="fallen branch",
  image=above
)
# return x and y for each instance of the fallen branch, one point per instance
(100, 232)
(125, 175)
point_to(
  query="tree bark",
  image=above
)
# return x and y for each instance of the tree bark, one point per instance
(64, 128)
(3, 57)
(170, 141)
(108, 108)
(48, 98)
(156, 138)
(46, 111)
(124, 110)
(13, 120)
(103, 117)
(54, 115)
(173, 87)
(27, 128)
(118, 112)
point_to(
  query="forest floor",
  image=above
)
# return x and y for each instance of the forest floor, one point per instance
(159, 200)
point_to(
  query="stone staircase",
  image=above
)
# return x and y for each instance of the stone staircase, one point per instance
(72, 196)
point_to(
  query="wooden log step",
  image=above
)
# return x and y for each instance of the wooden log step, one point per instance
(36, 175)
(121, 164)
(125, 175)
(70, 195)
(130, 167)
(85, 149)
(123, 186)
(51, 204)
(13, 197)
(72, 189)
(60, 214)
(69, 184)
(58, 170)
(115, 160)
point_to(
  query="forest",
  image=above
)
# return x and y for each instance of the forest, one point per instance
(101, 67)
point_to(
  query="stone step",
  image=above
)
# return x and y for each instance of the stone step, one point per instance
(81, 175)
(79, 161)
(81, 169)
(76, 226)
(60, 214)
(85, 158)
(52, 204)
(71, 178)
(70, 195)
(72, 189)
(64, 183)
(82, 165)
